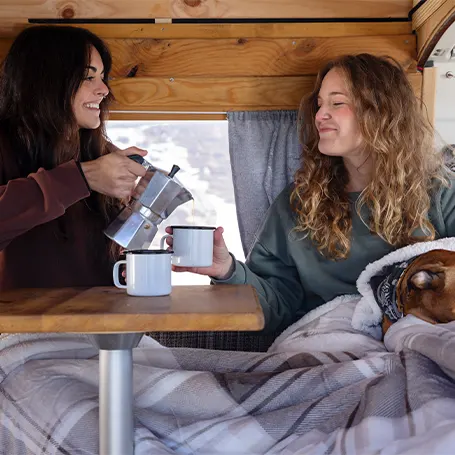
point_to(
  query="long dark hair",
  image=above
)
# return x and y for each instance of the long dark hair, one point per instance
(39, 78)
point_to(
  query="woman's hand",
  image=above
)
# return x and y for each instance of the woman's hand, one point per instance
(114, 174)
(222, 260)
(142, 184)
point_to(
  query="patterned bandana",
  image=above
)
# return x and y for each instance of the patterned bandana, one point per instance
(384, 287)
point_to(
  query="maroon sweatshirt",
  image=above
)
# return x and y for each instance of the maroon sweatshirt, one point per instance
(49, 235)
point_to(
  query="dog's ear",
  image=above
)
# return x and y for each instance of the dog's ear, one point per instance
(425, 279)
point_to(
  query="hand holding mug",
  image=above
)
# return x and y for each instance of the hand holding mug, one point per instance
(221, 259)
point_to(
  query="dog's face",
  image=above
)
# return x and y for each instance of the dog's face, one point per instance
(427, 287)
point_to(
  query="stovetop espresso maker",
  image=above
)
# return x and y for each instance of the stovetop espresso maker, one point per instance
(137, 223)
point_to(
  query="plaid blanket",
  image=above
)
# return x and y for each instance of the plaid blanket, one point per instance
(322, 388)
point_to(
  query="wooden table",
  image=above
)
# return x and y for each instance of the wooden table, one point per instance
(116, 323)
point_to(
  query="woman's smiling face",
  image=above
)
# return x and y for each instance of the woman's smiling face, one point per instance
(90, 94)
(336, 122)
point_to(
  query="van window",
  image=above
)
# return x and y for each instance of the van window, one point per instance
(201, 150)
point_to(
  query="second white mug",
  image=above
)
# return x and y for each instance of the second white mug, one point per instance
(192, 245)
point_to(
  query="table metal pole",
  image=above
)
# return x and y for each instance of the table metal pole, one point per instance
(116, 419)
(116, 422)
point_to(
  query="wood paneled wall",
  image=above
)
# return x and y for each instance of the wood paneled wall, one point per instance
(246, 57)
(223, 67)
(216, 67)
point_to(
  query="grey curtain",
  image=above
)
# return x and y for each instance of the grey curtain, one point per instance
(265, 153)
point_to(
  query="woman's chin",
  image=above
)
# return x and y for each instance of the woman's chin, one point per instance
(328, 151)
(89, 125)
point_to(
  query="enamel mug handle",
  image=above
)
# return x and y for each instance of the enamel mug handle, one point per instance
(116, 274)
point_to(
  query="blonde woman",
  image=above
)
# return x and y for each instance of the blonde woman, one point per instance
(370, 182)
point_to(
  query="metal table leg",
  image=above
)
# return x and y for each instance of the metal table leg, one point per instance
(116, 420)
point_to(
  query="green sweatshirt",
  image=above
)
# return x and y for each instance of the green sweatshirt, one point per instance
(292, 277)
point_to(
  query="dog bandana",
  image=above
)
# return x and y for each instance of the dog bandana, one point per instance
(384, 287)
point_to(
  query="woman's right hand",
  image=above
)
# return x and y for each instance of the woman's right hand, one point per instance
(114, 174)
(222, 260)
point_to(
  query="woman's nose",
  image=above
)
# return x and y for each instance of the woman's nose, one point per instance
(102, 89)
(322, 113)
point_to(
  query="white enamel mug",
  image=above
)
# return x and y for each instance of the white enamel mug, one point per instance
(192, 245)
(148, 272)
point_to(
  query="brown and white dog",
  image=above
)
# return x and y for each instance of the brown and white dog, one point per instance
(423, 286)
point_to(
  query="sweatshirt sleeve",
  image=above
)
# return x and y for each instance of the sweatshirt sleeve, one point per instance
(39, 198)
(271, 270)
(442, 211)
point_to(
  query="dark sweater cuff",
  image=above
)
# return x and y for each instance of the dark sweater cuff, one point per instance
(78, 164)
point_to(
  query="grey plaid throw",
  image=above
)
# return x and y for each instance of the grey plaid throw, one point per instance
(322, 388)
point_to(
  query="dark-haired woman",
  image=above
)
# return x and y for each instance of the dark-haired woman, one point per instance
(60, 178)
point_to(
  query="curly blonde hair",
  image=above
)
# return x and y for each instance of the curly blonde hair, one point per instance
(400, 140)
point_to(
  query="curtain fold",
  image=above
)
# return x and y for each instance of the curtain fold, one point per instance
(265, 153)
